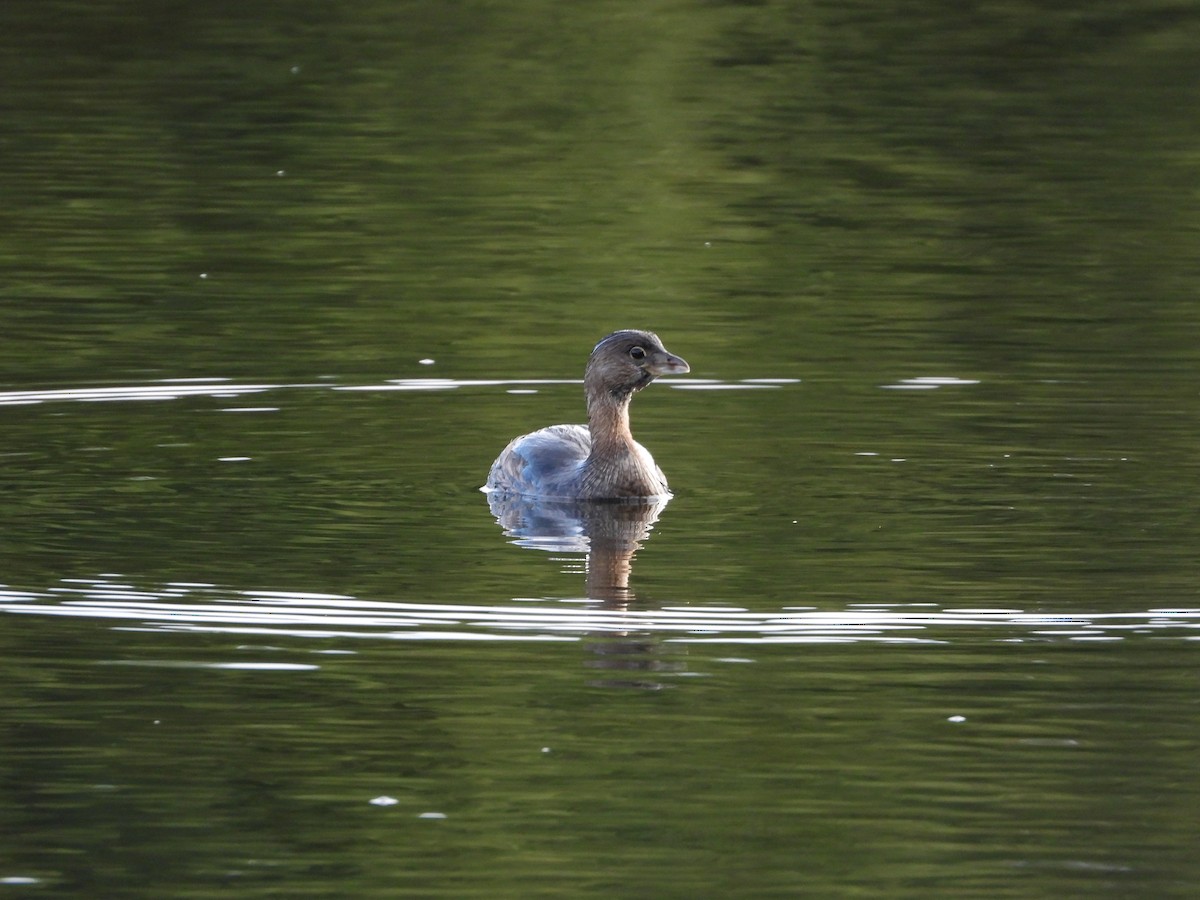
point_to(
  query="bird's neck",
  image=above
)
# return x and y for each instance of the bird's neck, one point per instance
(608, 422)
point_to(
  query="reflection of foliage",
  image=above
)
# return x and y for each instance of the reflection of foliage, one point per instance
(992, 188)
(852, 192)
(456, 177)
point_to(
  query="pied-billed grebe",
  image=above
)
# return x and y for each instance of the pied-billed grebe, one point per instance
(599, 461)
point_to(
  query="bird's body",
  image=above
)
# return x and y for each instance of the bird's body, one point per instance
(554, 462)
(600, 460)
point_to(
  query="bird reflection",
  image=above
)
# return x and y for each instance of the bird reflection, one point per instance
(609, 533)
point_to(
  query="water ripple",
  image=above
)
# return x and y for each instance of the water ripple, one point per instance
(203, 608)
(178, 388)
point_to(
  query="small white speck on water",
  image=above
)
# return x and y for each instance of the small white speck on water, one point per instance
(956, 719)
(383, 800)
(432, 815)
(426, 361)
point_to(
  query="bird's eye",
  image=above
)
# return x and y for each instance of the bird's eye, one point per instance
(637, 353)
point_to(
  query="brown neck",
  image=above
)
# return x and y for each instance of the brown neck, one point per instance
(608, 420)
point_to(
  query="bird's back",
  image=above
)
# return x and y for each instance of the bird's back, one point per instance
(548, 462)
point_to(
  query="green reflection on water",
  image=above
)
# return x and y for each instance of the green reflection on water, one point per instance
(319, 196)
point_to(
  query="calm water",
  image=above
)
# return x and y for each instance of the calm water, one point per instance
(278, 284)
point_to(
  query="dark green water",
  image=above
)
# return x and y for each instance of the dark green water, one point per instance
(277, 282)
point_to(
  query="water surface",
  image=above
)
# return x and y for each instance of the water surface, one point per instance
(921, 617)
